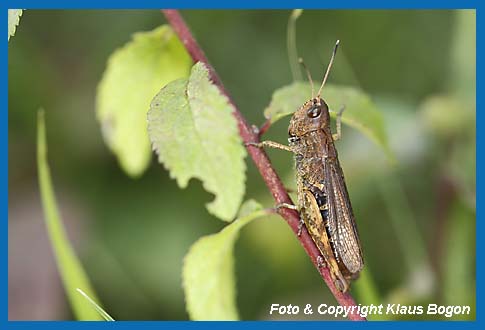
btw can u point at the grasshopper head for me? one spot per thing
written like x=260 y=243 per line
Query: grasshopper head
x=312 y=116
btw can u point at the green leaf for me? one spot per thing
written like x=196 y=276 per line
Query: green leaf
x=96 y=307
x=134 y=74
x=249 y=207
x=291 y=44
x=70 y=268
x=459 y=258
x=462 y=68
x=195 y=135
x=208 y=271
x=360 y=112
x=13 y=21
x=366 y=290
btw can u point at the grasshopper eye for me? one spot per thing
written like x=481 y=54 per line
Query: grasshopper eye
x=314 y=112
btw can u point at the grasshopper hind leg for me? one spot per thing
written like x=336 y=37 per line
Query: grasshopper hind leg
x=342 y=284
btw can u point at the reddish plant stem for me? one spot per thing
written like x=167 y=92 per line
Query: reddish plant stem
x=261 y=161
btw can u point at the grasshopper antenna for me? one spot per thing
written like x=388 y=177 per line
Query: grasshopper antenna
x=300 y=60
x=328 y=68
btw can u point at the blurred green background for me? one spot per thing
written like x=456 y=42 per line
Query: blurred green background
x=416 y=219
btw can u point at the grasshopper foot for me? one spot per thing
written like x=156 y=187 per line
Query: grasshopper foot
x=254 y=144
x=320 y=262
x=286 y=206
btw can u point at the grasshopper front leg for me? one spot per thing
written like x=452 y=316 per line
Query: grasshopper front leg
x=270 y=144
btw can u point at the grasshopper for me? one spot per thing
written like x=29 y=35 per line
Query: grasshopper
x=323 y=201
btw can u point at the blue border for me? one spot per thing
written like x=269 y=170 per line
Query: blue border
x=223 y=325
x=249 y=4
x=141 y=4
x=479 y=161
x=4 y=171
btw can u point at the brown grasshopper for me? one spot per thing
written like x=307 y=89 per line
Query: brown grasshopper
x=323 y=200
